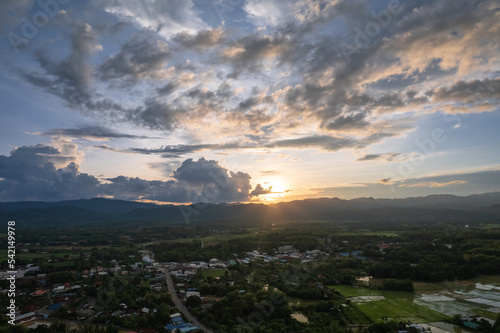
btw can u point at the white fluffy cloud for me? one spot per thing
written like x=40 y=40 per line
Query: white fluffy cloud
x=269 y=12
x=168 y=17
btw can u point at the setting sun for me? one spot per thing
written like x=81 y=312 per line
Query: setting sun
x=276 y=189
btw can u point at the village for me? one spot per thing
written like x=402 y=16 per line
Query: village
x=195 y=284
x=49 y=298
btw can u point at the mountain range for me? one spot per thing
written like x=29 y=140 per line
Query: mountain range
x=479 y=207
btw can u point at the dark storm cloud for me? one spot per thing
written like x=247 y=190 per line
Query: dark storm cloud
x=194 y=181
x=167 y=89
x=127 y=188
x=351 y=122
x=248 y=53
x=138 y=58
x=90 y=132
x=157 y=114
x=44 y=173
x=225 y=185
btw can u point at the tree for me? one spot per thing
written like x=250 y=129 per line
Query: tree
x=112 y=329
x=193 y=301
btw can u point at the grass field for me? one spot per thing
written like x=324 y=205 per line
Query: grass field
x=416 y=308
x=212 y=239
x=30 y=256
x=399 y=309
x=350 y=291
x=214 y=272
x=490 y=226
x=397 y=305
x=368 y=233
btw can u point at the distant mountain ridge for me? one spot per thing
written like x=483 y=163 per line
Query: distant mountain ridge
x=101 y=205
x=479 y=207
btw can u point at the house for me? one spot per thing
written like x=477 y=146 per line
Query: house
x=192 y=293
x=470 y=324
x=285 y=249
x=55 y=306
x=157 y=287
x=25 y=317
x=117 y=313
x=82 y=315
x=58 y=289
x=182 y=327
x=44 y=313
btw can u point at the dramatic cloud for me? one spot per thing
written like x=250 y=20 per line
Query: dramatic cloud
x=202 y=39
x=468 y=91
x=323 y=142
x=214 y=182
x=44 y=173
x=356 y=121
x=269 y=12
x=48 y=173
x=167 y=17
x=70 y=78
x=138 y=58
x=194 y=181
x=262 y=76
x=90 y=133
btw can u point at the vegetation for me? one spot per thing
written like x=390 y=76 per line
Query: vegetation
x=323 y=283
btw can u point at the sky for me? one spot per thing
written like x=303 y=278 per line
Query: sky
x=248 y=100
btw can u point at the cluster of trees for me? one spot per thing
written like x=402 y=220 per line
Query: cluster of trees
x=430 y=261
x=262 y=312
x=57 y=327
x=399 y=285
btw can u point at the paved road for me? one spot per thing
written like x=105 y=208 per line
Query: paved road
x=180 y=306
